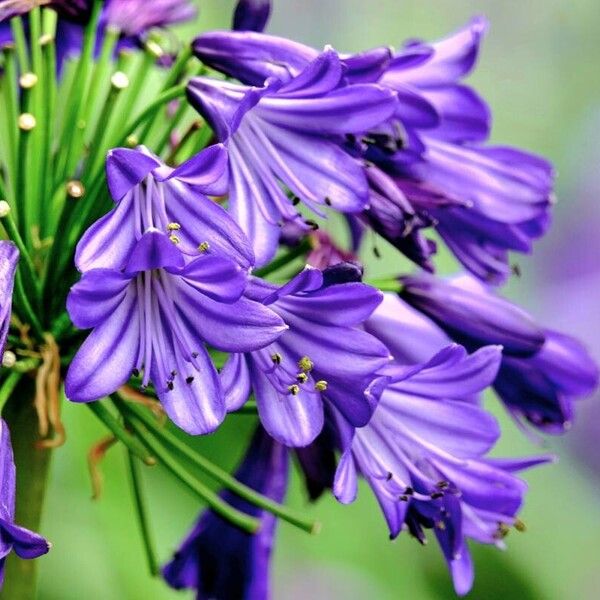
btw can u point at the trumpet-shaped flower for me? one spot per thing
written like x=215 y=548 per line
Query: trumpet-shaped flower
x=154 y=314
x=290 y=133
x=322 y=358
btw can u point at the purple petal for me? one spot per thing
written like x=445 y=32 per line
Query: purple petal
x=95 y=297
x=293 y=420
x=106 y=359
x=235 y=380
x=25 y=543
x=127 y=168
x=218 y=278
x=154 y=250
x=251 y=15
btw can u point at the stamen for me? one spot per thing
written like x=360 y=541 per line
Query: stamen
x=189 y=379
x=175 y=239
x=294 y=389
x=502 y=531
x=306 y=364
x=321 y=385
x=437 y=495
x=302 y=377
x=204 y=247
x=276 y=358
x=173 y=227
x=520 y=526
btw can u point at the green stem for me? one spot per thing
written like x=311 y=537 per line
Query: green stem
x=8 y=387
x=9 y=100
x=18 y=34
x=385 y=285
x=32 y=465
x=133 y=445
x=221 y=476
x=142 y=513
x=300 y=250
x=206 y=495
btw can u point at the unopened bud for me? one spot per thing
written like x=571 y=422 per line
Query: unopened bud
x=28 y=80
x=27 y=122
x=9 y=359
x=4 y=209
x=119 y=80
x=75 y=189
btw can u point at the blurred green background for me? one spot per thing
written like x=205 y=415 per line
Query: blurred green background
x=539 y=72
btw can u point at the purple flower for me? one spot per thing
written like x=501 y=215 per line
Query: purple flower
x=423 y=454
x=323 y=357
x=77 y=10
x=542 y=371
x=150 y=194
x=155 y=314
x=12 y=537
x=483 y=201
x=134 y=18
x=251 y=15
x=217 y=559
x=290 y=134
x=9 y=258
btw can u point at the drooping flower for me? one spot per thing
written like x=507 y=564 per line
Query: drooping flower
x=147 y=194
x=483 y=201
x=290 y=133
x=25 y=543
x=423 y=455
x=322 y=358
x=542 y=372
x=217 y=559
x=154 y=314
x=9 y=258
x=251 y=15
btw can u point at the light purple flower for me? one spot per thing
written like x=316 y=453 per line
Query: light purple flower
x=25 y=543
x=9 y=258
x=217 y=559
x=290 y=134
x=543 y=371
x=147 y=194
x=324 y=358
x=155 y=314
x=423 y=454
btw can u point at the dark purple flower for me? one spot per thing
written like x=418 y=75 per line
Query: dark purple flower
x=77 y=10
x=542 y=371
x=9 y=258
x=251 y=15
x=322 y=357
x=219 y=560
x=290 y=134
x=12 y=537
x=423 y=454
x=147 y=193
x=154 y=314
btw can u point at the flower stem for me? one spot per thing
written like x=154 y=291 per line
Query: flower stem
x=32 y=464
x=219 y=506
x=132 y=444
x=142 y=512
x=221 y=476
x=385 y=285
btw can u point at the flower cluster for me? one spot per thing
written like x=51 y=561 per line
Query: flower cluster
x=208 y=290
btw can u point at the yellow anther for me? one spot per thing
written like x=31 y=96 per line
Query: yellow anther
x=520 y=526
x=174 y=239
x=305 y=364
x=75 y=189
x=302 y=377
x=204 y=247
x=503 y=530
x=276 y=358
x=173 y=226
x=321 y=385
x=132 y=141
x=441 y=525
x=294 y=389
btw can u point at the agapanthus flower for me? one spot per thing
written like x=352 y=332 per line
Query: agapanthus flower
x=322 y=358
x=217 y=559
x=154 y=315
x=423 y=454
x=71 y=9
x=542 y=372
x=483 y=201
x=25 y=543
x=289 y=133
x=9 y=258
x=147 y=193
x=251 y=15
